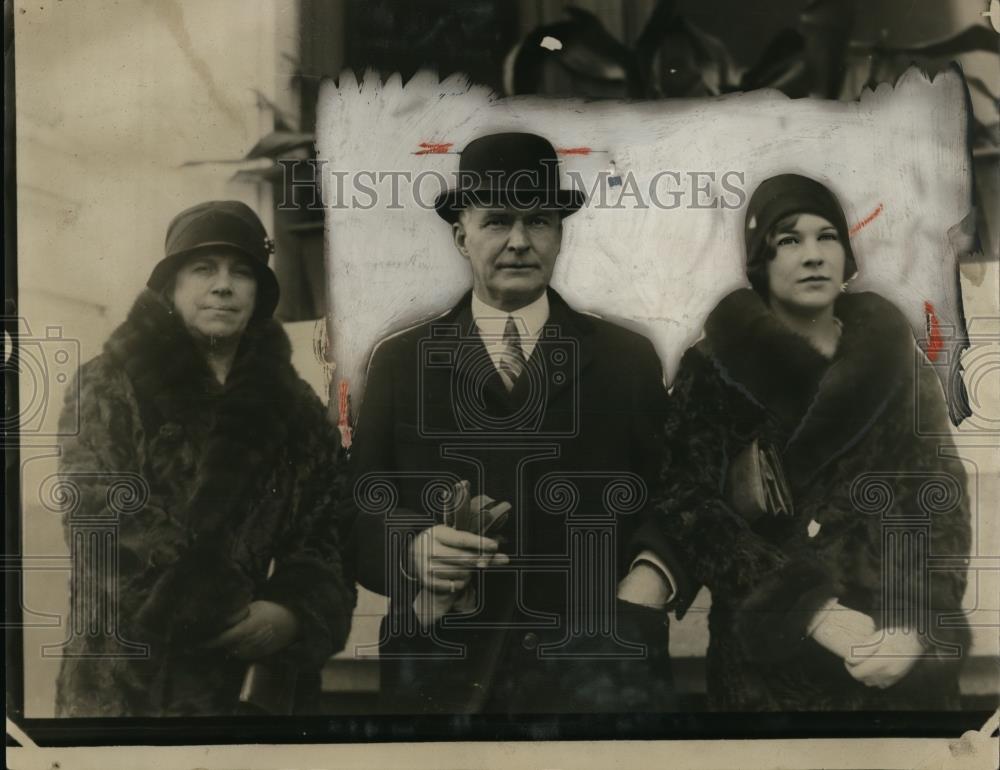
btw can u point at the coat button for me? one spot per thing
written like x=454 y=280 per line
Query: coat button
x=529 y=641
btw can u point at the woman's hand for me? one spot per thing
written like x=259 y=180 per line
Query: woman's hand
x=885 y=659
x=265 y=628
x=840 y=629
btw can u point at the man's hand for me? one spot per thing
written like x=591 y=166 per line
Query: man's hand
x=886 y=660
x=644 y=585
x=266 y=628
x=444 y=558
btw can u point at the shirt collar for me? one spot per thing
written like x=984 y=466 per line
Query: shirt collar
x=529 y=319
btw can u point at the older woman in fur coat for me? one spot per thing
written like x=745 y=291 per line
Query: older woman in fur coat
x=832 y=605
x=229 y=551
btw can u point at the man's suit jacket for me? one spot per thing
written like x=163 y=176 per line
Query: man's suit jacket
x=575 y=448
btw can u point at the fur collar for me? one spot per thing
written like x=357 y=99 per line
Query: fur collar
x=824 y=406
x=249 y=415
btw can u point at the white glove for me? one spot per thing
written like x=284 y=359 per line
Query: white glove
x=885 y=657
x=840 y=629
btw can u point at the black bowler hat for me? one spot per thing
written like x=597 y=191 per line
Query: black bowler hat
x=513 y=168
x=227 y=224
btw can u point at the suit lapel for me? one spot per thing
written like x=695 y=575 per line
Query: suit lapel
x=564 y=349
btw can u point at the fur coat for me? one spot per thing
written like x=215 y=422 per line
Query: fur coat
x=866 y=448
x=227 y=478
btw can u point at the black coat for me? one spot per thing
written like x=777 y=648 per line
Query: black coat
x=200 y=486
x=866 y=446
x=573 y=448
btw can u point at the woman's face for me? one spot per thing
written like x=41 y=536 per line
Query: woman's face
x=808 y=266
x=214 y=293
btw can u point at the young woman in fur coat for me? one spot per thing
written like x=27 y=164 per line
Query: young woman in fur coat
x=832 y=606
x=233 y=464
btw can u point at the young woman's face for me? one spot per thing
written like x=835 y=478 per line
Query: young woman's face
x=214 y=293
x=808 y=266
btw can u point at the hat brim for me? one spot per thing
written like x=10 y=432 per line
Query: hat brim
x=268 y=289
x=451 y=202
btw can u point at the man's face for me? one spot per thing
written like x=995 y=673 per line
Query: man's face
x=512 y=252
x=214 y=293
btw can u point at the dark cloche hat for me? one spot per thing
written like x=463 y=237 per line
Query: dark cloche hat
x=783 y=195
x=780 y=196
x=507 y=168
x=228 y=224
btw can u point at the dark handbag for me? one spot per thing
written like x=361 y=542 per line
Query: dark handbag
x=756 y=484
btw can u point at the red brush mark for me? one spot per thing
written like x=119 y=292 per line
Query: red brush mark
x=934 y=341
x=343 y=419
x=867 y=220
x=574 y=151
x=432 y=148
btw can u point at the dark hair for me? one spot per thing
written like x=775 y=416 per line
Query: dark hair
x=757 y=272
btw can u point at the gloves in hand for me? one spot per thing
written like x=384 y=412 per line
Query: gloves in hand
x=444 y=558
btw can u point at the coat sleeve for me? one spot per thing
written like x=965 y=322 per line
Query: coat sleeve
x=310 y=575
x=648 y=417
x=720 y=548
x=379 y=525
x=100 y=471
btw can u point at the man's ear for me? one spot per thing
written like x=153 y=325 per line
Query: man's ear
x=458 y=235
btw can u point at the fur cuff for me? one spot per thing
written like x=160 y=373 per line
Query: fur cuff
x=192 y=599
x=323 y=605
x=772 y=620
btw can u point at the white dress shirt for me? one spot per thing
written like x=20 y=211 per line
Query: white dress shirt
x=491 y=322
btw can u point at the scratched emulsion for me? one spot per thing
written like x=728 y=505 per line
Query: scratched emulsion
x=661 y=239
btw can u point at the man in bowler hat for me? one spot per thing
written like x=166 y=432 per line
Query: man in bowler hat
x=517 y=439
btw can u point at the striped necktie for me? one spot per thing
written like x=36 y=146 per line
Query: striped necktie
x=512 y=360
